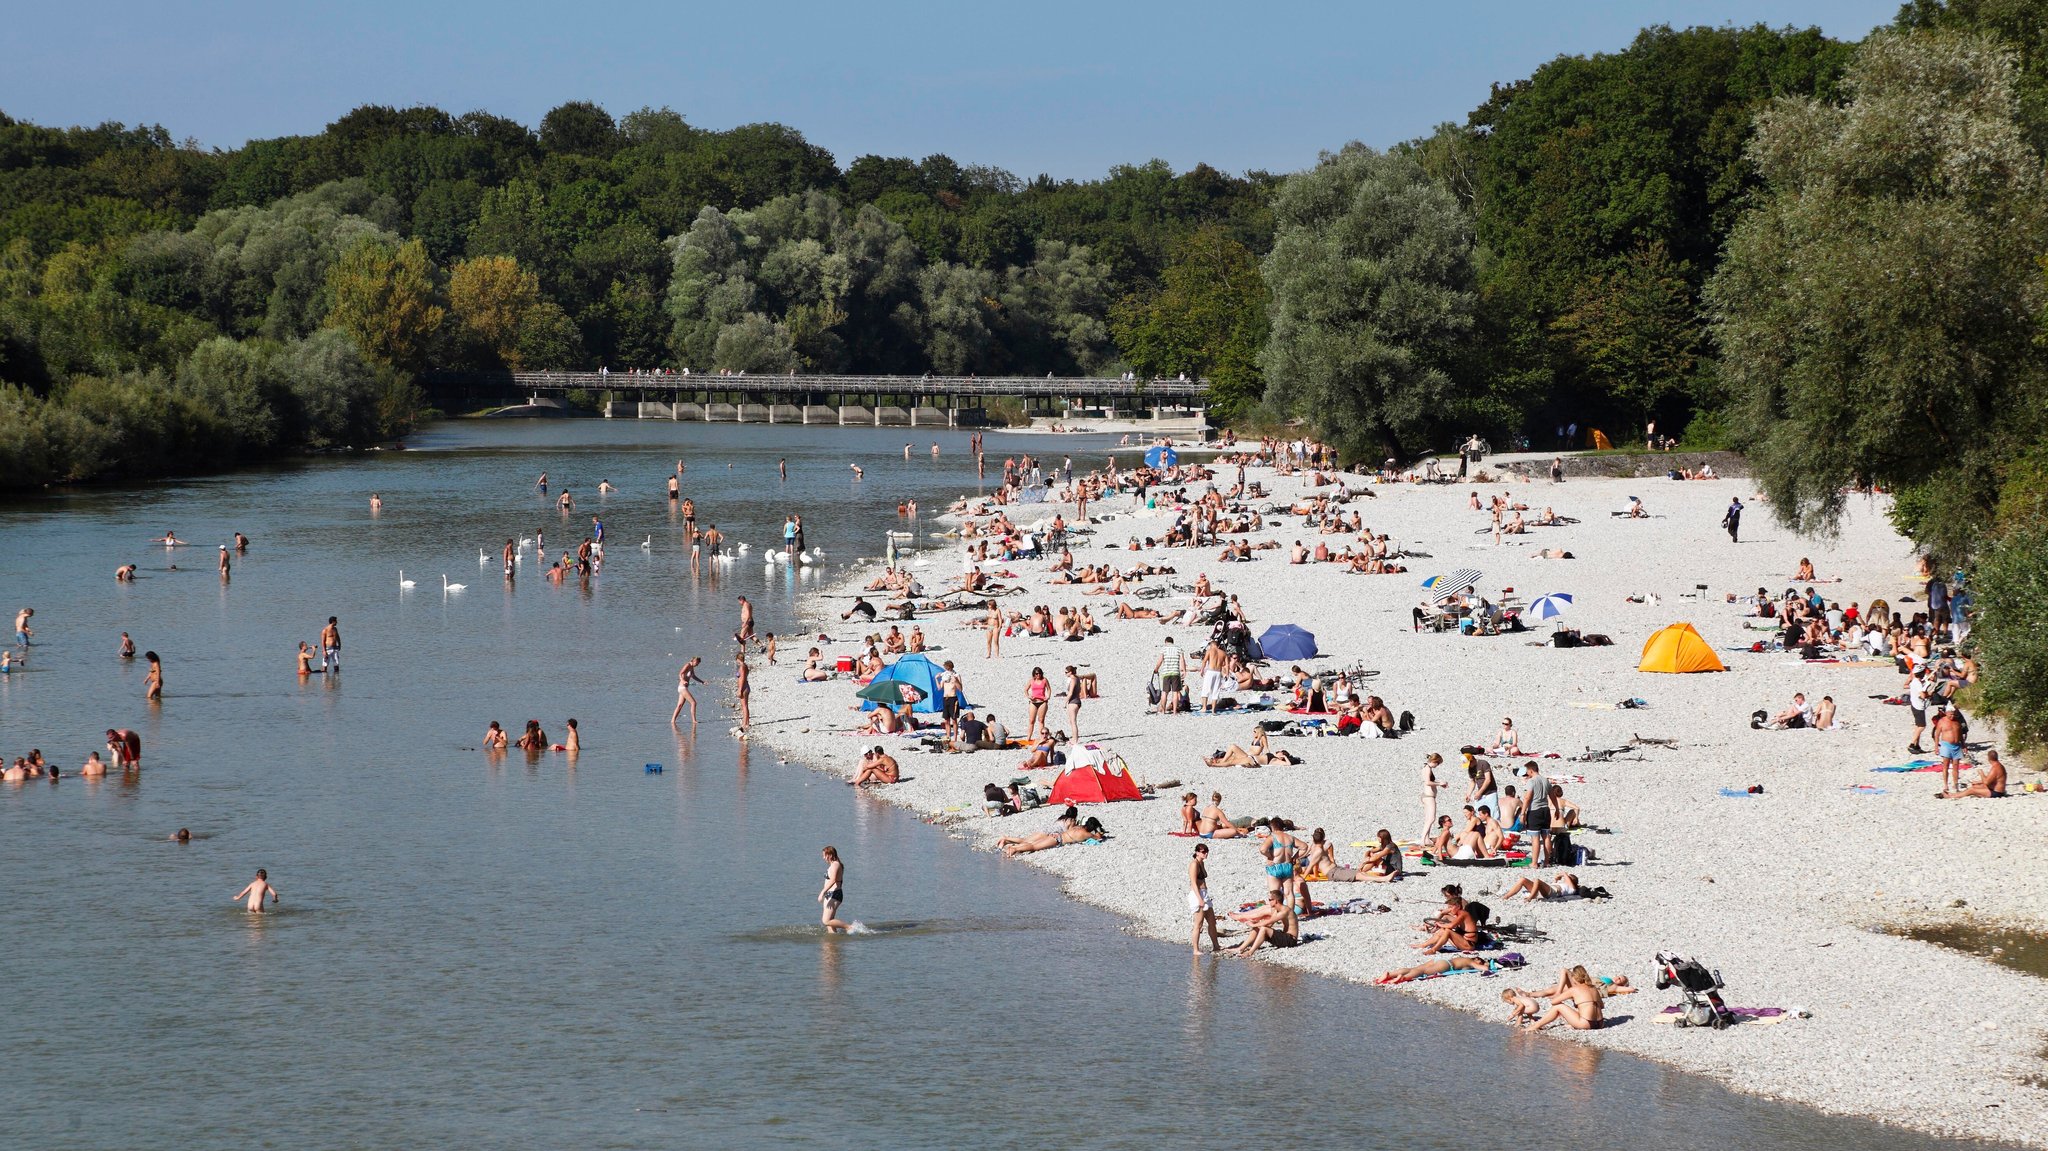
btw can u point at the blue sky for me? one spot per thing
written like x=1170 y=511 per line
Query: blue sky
x=1049 y=86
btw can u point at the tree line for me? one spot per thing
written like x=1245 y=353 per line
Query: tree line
x=1827 y=254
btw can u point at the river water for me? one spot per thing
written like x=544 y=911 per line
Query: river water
x=530 y=952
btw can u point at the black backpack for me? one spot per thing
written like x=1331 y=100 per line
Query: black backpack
x=1407 y=722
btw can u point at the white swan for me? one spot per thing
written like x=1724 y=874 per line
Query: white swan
x=817 y=553
x=804 y=556
x=647 y=545
x=448 y=587
x=526 y=541
x=745 y=547
x=779 y=557
x=483 y=559
x=402 y=581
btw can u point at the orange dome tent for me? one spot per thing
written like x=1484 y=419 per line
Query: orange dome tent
x=1678 y=648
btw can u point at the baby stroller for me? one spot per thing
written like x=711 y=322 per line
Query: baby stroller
x=1701 y=988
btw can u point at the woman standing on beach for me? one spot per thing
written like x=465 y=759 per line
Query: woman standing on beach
x=1036 y=693
x=1072 y=693
x=1430 y=786
x=833 y=893
x=1199 y=902
x=994 y=620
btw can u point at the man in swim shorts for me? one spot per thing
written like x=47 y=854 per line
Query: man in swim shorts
x=1948 y=737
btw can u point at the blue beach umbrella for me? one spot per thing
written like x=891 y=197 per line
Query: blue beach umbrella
x=1161 y=457
x=1286 y=641
x=1548 y=606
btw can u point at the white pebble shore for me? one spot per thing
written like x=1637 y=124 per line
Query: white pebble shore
x=1782 y=892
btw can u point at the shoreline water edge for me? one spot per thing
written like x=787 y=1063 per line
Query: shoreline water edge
x=1787 y=890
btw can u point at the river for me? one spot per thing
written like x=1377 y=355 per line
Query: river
x=527 y=951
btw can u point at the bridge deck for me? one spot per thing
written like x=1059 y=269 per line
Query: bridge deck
x=1072 y=388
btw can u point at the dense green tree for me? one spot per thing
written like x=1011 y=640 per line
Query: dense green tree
x=1207 y=320
x=2019 y=25
x=1593 y=159
x=384 y=298
x=1372 y=285
x=1632 y=330
x=1876 y=311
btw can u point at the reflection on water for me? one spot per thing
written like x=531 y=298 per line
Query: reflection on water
x=514 y=951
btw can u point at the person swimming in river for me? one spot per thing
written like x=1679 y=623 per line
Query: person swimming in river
x=306 y=667
x=259 y=888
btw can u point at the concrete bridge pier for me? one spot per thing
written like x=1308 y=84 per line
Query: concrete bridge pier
x=819 y=414
x=857 y=414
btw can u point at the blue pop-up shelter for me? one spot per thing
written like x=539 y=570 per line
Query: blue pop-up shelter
x=1161 y=456
x=922 y=673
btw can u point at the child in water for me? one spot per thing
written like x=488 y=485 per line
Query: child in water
x=257 y=889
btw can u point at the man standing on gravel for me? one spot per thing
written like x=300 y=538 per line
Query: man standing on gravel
x=1733 y=519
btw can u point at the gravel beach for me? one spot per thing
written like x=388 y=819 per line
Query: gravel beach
x=1783 y=891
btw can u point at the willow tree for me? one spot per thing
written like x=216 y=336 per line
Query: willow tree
x=1371 y=277
x=1877 y=310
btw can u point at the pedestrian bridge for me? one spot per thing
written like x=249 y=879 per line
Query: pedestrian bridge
x=900 y=401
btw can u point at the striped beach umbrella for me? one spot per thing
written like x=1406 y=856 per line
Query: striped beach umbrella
x=1447 y=584
x=1548 y=606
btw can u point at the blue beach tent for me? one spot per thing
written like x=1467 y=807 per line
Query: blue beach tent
x=921 y=673
x=1161 y=456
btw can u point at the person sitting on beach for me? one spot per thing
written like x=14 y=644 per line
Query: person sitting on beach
x=1577 y=1005
x=1214 y=823
x=1989 y=784
x=1045 y=753
x=1804 y=574
x=1635 y=509
x=1824 y=715
x=883 y=721
x=1507 y=741
x=1533 y=888
x=1459 y=931
x=1796 y=716
x=1383 y=860
x=862 y=608
x=1527 y=1005
x=1068 y=829
x=1438 y=842
x=892 y=642
x=814 y=668
x=876 y=766
x=916 y=642
x=1271 y=923
x=1562 y=813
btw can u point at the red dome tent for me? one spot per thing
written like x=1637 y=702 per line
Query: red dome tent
x=1093 y=782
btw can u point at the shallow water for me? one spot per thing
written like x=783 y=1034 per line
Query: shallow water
x=478 y=951
x=2017 y=948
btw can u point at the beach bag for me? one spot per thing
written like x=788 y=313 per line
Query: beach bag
x=1565 y=638
x=1152 y=691
x=1596 y=640
x=1560 y=847
x=1407 y=721
x=1757 y=719
x=1480 y=912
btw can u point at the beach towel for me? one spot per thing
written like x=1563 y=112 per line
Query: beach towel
x=1865 y=789
x=1736 y=793
x=1912 y=765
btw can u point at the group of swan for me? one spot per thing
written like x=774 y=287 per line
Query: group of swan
x=405 y=584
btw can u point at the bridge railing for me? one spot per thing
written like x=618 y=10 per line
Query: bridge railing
x=1082 y=388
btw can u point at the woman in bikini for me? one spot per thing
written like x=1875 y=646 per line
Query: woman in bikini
x=1036 y=694
x=684 y=678
x=1072 y=694
x=1382 y=860
x=833 y=893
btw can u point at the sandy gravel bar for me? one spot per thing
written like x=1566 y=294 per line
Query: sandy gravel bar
x=1783 y=892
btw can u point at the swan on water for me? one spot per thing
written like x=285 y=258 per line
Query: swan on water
x=804 y=556
x=448 y=587
x=647 y=545
x=483 y=559
x=402 y=581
